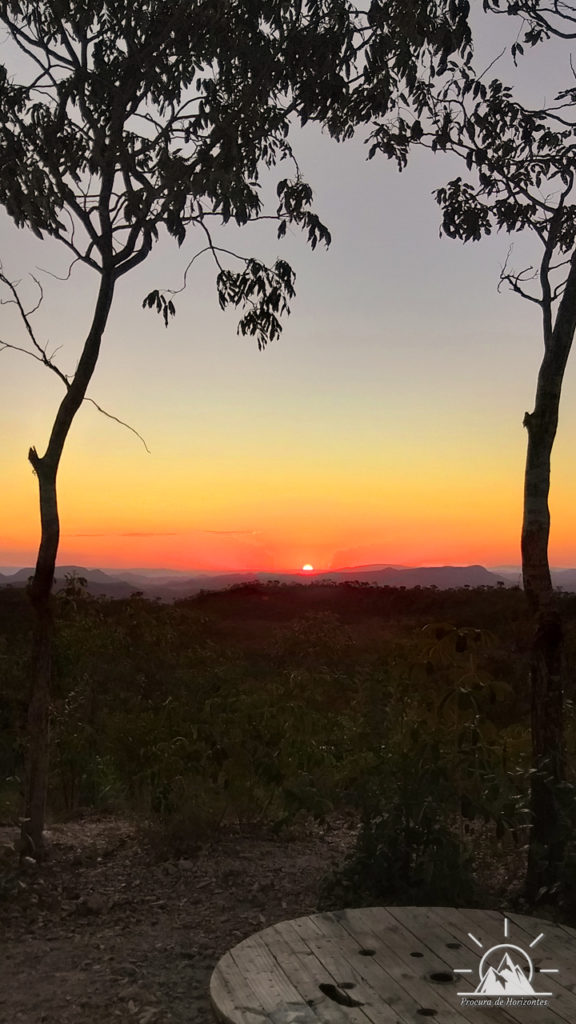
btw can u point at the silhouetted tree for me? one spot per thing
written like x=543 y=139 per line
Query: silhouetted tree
x=124 y=118
x=519 y=177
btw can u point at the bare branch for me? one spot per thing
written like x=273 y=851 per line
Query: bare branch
x=26 y=351
x=110 y=416
x=562 y=263
x=31 y=311
x=491 y=64
x=78 y=259
x=176 y=291
x=215 y=249
x=513 y=280
x=83 y=257
x=41 y=355
x=207 y=248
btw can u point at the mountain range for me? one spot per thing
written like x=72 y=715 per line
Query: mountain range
x=171 y=584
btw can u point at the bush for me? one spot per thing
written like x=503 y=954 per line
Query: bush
x=409 y=850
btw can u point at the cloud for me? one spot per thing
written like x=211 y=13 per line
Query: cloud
x=162 y=533
x=151 y=534
x=233 y=533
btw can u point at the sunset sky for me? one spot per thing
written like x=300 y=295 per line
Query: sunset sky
x=384 y=426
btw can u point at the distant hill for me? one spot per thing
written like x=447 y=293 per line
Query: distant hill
x=100 y=584
x=23 y=575
x=562 y=579
x=169 y=586
x=366 y=568
x=565 y=579
x=442 y=576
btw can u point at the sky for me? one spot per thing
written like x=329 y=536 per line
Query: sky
x=384 y=426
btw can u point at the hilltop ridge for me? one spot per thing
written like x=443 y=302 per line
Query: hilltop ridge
x=169 y=585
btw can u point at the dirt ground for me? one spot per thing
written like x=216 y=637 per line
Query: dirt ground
x=108 y=931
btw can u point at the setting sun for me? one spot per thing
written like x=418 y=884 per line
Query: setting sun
x=307 y=567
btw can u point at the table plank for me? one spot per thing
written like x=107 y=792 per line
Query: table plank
x=387 y=971
x=378 y=965
x=396 y=945
x=336 y=964
x=246 y=988
x=554 y=950
x=312 y=972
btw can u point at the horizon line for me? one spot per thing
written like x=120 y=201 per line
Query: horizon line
x=296 y=570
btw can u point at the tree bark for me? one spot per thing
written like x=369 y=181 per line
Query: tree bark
x=545 y=851
x=46 y=469
x=38 y=723
x=547 y=835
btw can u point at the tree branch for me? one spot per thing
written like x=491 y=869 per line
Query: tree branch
x=110 y=416
x=41 y=355
x=513 y=280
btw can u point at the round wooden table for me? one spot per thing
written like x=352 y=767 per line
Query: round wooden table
x=400 y=965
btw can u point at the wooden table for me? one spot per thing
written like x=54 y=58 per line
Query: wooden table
x=400 y=965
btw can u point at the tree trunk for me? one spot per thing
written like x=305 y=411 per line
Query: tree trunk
x=546 y=846
x=548 y=834
x=46 y=469
x=38 y=725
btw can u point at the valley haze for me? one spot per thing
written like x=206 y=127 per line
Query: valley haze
x=174 y=584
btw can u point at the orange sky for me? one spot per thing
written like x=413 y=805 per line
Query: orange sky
x=122 y=507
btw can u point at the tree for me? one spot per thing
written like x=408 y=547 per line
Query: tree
x=125 y=119
x=520 y=177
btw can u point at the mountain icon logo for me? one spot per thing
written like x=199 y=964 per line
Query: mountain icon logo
x=505 y=969
x=507 y=978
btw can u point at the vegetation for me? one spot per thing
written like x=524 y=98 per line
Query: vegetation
x=270 y=704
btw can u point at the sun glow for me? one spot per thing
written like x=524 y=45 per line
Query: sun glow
x=307 y=567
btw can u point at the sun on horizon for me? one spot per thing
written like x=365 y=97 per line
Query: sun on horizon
x=307 y=567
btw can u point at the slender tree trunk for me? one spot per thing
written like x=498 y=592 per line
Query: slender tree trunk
x=46 y=469
x=548 y=835
x=545 y=851
x=38 y=724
